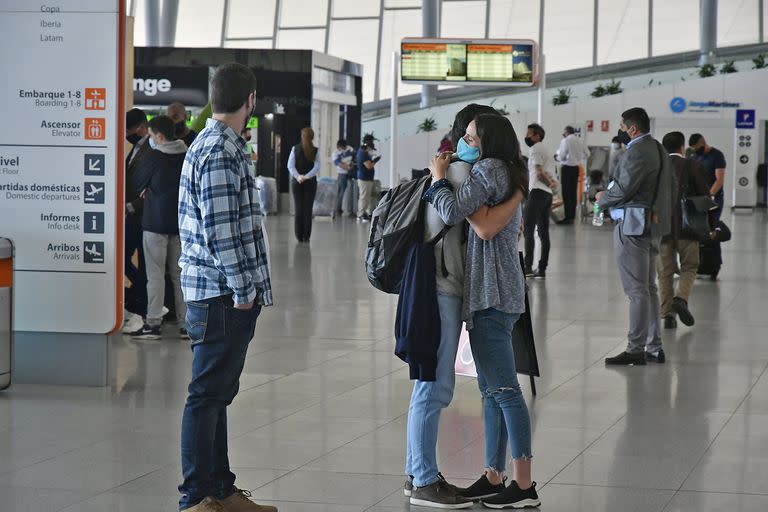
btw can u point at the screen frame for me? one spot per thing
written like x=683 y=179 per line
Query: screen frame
x=434 y=40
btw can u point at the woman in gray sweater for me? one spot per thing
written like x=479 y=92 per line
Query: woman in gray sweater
x=494 y=298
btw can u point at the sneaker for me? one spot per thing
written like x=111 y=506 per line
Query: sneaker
x=240 y=501
x=183 y=334
x=529 y=272
x=670 y=322
x=207 y=505
x=626 y=359
x=408 y=486
x=514 y=497
x=659 y=357
x=132 y=323
x=540 y=274
x=148 y=332
x=482 y=489
x=680 y=306
x=440 y=494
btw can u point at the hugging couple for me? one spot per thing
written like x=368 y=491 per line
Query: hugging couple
x=481 y=283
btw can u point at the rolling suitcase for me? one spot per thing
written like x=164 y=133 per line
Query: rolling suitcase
x=710 y=259
x=326 y=198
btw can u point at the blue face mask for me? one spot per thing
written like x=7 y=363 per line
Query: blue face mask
x=152 y=143
x=467 y=153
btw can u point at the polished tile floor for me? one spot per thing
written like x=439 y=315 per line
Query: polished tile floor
x=319 y=425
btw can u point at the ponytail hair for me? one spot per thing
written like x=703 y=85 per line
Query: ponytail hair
x=307 y=135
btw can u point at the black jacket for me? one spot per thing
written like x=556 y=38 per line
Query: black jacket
x=133 y=200
x=692 y=180
x=158 y=176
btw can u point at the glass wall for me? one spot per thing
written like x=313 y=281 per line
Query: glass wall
x=577 y=33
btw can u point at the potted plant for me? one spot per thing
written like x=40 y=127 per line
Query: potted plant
x=613 y=87
x=501 y=110
x=759 y=62
x=707 y=70
x=728 y=67
x=563 y=96
x=599 y=91
x=427 y=125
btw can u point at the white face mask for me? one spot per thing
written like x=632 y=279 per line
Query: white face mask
x=615 y=146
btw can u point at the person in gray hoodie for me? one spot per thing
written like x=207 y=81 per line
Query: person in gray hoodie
x=425 y=485
x=158 y=178
x=494 y=298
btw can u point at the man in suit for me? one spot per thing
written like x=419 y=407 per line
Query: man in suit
x=640 y=199
x=136 y=133
x=692 y=181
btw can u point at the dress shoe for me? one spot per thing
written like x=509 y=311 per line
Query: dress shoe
x=626 y=359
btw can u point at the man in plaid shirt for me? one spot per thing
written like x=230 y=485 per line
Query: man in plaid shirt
x=225 y=280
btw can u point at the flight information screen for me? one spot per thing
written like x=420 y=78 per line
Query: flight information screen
x=485 y=61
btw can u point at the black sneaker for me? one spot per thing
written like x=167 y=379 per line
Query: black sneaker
x=148 y=332
x=529 y=272
x=540 y=274
x=626 y=359
x=183 y=334
x=440 y=494
x=482 y=489
x=659 y=357
x=670 y=322
x=408 y=486
x=514 y=497
x=680 y=306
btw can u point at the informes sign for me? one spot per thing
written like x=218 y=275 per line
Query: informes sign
x=61 y=198
x=745 y=160
x=163 y=85
x=510 y=62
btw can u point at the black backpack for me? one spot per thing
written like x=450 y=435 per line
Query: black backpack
x=397 y=224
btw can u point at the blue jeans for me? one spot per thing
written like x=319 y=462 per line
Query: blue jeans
x=430 y=398
x=220 y=336
x=505 y=413
x=344 y=181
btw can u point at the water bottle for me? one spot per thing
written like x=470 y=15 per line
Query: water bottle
x=598 y=217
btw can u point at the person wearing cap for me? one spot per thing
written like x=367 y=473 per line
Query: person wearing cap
x=137 y=134
x=366 y=160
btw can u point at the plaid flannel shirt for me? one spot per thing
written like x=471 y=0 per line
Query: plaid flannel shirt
x=222 y=245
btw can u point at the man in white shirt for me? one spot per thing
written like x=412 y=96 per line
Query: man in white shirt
x=541 y=184
x=571 y=153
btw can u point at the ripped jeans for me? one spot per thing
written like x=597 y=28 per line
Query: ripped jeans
x=505 y=413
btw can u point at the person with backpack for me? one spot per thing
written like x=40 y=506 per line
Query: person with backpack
x=304 y=164
x=494 y=298
x=424 y=484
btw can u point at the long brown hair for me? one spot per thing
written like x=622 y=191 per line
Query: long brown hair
x=307 y=134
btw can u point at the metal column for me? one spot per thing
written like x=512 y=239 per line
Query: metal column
x=430 y=15
x=152 y=22
x=707 y=31
x=168 y=22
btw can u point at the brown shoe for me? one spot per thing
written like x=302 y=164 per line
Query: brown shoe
x=207 y=505
x=240 y=501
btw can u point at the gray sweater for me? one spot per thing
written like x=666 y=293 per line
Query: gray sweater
x=493 y=276
x=451 y=248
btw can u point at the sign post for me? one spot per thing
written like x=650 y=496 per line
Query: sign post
x=61 y=176
x=745 y=159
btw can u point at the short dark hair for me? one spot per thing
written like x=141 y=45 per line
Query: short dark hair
x=466 y=116
x=616 y=140
x=638 y=118
x=134 y=118
x=569 y=129
x=537 y=130
x=673 y=142
x=499 y=140
x=230 y=87
x=694 y=139
x=341 y=143
x=163 y=125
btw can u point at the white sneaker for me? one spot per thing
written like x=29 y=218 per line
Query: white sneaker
x=132 y=322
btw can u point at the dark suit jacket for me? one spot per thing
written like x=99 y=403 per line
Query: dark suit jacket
x=692 y=179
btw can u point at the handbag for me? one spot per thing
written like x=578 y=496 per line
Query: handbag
x=695 y=210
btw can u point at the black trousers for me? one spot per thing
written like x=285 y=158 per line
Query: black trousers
x=569 y=177
x=537 y=210
x=303 y=200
